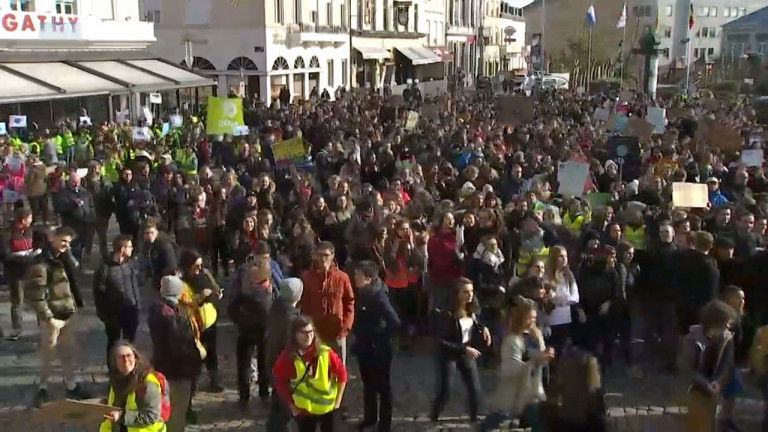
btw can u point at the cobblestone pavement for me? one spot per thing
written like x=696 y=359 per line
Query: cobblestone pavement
x=651 y=404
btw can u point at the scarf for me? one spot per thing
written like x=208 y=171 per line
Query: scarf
x=493 y=259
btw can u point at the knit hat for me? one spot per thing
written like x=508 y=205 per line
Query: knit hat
x=171 y=287
x=291 y=289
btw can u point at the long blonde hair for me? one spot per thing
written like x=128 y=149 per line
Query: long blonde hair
x=550 y=269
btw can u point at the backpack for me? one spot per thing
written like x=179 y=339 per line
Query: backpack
x=165 y=394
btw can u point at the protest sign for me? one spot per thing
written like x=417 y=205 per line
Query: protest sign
x=691 y=195
x=288 y=151
x=224 y=114
x=572 y=177
x=602 y=114
x=141 y=134
x=83 y=413
x=430 y=111
x=752 y=158
x=412 y=120
x=514 y=110
x=639 y=128
x=658 y=118
x=599 y=199
x=17 y=121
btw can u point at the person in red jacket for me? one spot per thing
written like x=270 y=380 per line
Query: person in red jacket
x=444 y=265
x=328 y=299
x=310 y=378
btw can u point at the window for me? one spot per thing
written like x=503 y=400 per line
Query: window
x=279 y=12
x=713 y=32
x=635 y=11
x=329 y=13
x=297 y=11
x=312 y=16
x=735 y=12
x=710 y=51
x=713 y=11
x=743 y=11
x=696 y=53
x=330 y=73
x=646 y=11
x=68 y=7
x=344 y=72
x=344 y=17
x=667 y=31
x=152 y=16
x=22 y=5
x=704 y=11
x=668 y=11
x=726 y=12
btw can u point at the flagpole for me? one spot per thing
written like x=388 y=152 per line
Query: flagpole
x=689 y=52
x=589 y=56
x=623 y=48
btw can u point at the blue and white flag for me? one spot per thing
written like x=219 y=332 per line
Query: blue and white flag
x=623 y=18
x=591 y=18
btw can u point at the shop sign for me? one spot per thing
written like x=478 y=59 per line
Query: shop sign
x=29 y=25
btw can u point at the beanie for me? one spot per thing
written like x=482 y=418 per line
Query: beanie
x=291 y=289
x=171 y=287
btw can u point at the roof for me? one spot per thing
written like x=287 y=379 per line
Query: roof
x=758 y=18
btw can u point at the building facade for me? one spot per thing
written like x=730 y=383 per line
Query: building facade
x=256 y=48
x=746 y=35
x=58 y=57
x=706 y=35
x=395 y=41
x=503 y=41
x=463 y=20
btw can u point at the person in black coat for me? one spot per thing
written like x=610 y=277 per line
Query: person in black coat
x=376 y=323
x=117 y=292
x=696 y=280
x=460 y=337
x=159 y=253
x=75 y=205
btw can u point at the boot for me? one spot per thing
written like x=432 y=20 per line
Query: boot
x=215 y=386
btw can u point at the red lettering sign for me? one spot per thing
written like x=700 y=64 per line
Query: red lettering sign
x=15 y=22
x=9 y=23
x=27 y=24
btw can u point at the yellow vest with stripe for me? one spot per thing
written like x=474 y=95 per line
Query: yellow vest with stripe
x=131 y=405
x=59 y=142
x=315 y=394
x=69 y=140
x=526 y=256
x=635 y=236
x=574 y=224
x=34 y=148
x=111 y=170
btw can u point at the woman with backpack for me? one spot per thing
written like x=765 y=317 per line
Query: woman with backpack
x=140 y=394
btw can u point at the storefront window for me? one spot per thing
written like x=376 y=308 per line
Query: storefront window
x=22 y=5
x=68 y=7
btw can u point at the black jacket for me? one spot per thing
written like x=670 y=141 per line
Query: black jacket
x=116 y=288
x=597 y=285
x=161 y=258
x=376 y=321
x=126 y=198
x=279 y=323
x=101 y=191
x=250 y=303
x=75 y=216
x=449 y=336
x=174 y=352
x=696 y=278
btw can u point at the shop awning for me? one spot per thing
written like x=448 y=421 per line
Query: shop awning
x=420 y=55
x=33 y=76
x=444 y=53
x=374 y=53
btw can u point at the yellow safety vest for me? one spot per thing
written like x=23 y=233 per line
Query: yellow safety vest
x=574 y=224
x=131 y=405
x=16 y=142
x=111 y=170
x=526 y=256
x=315 y=394
x=635 y=236
x=69 y=140
x=59 y=141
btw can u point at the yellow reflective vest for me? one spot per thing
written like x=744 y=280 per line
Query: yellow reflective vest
x=574 y=224
x=636 y=236
x=131 y=405
x=315 y=394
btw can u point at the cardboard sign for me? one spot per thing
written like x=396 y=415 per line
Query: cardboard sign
x=690 y=195
x=412 y=121
x=720 y=136
x=514 y=110
x=17 y=121
x=639 y=128
x=85 y=413
x=241 y=131
x=430 y=111
x=752 y=158
x=289 y=149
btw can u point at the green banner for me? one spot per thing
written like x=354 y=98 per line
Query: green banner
x=224 y=115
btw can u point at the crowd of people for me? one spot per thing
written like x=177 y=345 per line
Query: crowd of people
x=450 y=229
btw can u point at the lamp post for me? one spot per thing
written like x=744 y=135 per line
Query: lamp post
x=649 y=49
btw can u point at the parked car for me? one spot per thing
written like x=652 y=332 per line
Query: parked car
x=553 y=82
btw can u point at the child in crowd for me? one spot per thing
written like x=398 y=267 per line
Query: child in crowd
x=733 y=296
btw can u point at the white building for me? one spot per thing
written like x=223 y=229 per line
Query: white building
x=58 y=56
x=504 y=38
x=706 y=35
x=398 y=40
x=257 y=46
x=463 y=18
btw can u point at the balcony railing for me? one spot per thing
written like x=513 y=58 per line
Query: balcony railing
x=303 y=33
x=317 y=28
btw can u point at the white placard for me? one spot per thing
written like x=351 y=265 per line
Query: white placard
x=3 y=129
x=82 y=172
x=176 y=120
x=85 y=121
x=155 y=98
x=17 y=121
x=241 y=131
x=122 y=116
x=752 y=158
x=658 y=118
x=572 y=176
x=691 y=195
x=602 y=114
x=141 y=133
x=147 y=114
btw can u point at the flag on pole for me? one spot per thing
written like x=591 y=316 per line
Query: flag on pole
x=623 y=18
x=591 y=18
x=691 y=19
